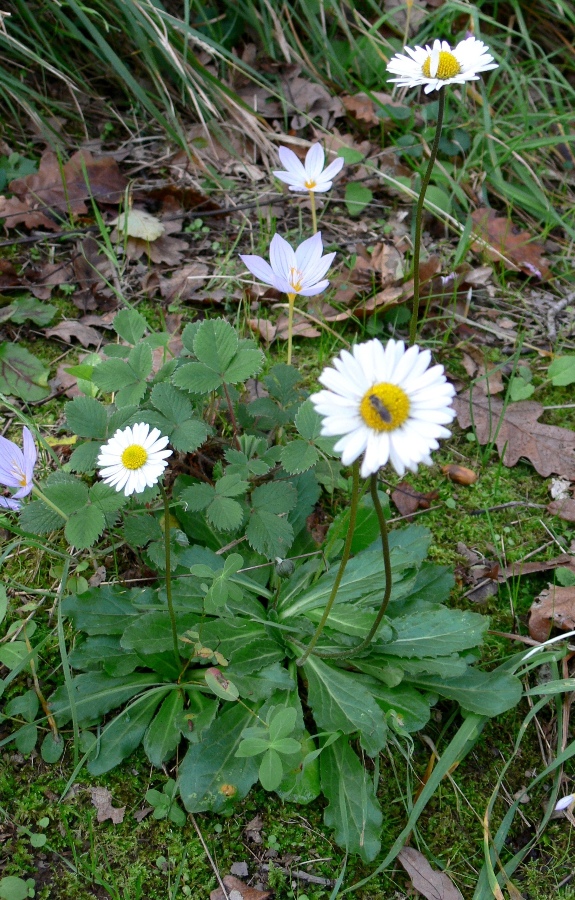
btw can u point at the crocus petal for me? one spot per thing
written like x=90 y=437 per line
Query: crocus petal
x=258 y=267
x=314 y=161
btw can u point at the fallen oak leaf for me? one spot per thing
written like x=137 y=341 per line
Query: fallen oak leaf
x=431 y=884
x=564 y=560
x=238 y=890
x=68 y=328
x=408 y=500
x=564 y=508
x=517 y=433
x=508 y=243
x=102 y=800
x=554 y=607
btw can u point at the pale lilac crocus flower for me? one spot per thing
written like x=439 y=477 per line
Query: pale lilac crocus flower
x=299 y=271
x=17 y=467
x=311 y=175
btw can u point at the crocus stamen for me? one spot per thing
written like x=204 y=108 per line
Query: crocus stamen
x=295 y=279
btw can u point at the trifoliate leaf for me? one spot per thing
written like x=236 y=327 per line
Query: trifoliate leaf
x=130 y=325
x=308 y=421
x=189 y=435
x=269 y=534
x=138 y=223
x=197 y=496
x=216 y=344
x=298 y=456
x=84 y=527
x=275 y=497
x=139 y=530
x=174 y=405
x=246 y=364
x=225 y=514
x=66 y=492
x=197 y=378
x=37 y=518
x=107 y=498
x=231 y=486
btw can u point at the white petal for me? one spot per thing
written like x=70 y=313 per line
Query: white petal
x=292 y=163
x=258 y=267
x=282 y=257
x=314 y=161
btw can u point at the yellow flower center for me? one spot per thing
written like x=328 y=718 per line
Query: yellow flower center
x=448 y=66
x=310 y=184
x=384 y=407
x=134 y=457
x=295 y=279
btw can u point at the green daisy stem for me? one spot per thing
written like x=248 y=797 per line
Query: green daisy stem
x=42 y=496
x=291 y=301
x=419 y=217
x=353 y=651
x=169 y=576
x=343 y=563
x=313 y=211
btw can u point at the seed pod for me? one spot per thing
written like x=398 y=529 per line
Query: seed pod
x=459 y=474
x=284 y=567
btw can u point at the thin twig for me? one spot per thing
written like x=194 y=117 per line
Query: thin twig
x=209 y=855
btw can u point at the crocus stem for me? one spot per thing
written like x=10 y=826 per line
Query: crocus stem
x=169 y=577
x=419 y=217
x=38 y=493
x=353 y=651
x=342 y=565
x=291 y=301
x=313 y=212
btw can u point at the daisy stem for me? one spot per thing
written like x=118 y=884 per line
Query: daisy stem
x=291 y=301
x=38 y=493
x=353 y=651
x=169 y=576
x=232 y=416
x=313 y=212
x=342 y=564
x=419 y=217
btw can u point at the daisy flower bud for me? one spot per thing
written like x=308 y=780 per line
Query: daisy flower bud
x=311 y=175
x=17 y=467
x=134 y=458
x=293 y=272
x=388 y=405
x=439 y=65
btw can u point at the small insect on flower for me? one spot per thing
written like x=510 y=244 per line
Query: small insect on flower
x=387 y=403
x=17 y=467
x=439 y=65
x=311 y=175
x=134 y=458
x=293 y=272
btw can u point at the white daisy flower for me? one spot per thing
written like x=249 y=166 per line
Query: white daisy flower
x=387 y=403
x=293 y=272
x=134 y=458
x=311 y=175
x=440 y=65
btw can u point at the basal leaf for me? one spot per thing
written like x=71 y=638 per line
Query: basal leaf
x=189 y=435
x=340 y=702
x=103 y=610
x=21 y=373
x=486 y=693
x=164 y=734
x=152 y=632
x=103 y=652
x=211 y=776
x=95 y=694
x=269 y=534
x=123 y=734
x=140 y=529
x=436 y=632
x=38 y=518
x=85 y=456
x=353 y=811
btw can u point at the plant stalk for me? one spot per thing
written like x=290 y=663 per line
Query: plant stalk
x=419 y=217
x=291 y=301
x=169 y=576
x=342 y=565
x=353 y=651
x=313 y=211
x=38 y=493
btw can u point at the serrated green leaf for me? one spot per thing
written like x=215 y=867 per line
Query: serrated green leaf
x=140 y=361
x=104 y=610
x=308 y=421
x=84 y=457
x=124 y=733
x=269 y=534
x=164 y=734
x=562 y=371
x=436 y=632
x=152 y=632
x=216 y=344
x=95 y=694
x=107 y=498
x=66 y=491
x=37 y=518
x=246 y=364
x=274 y=497
x=225 y=514
x=84 y=527
x=340 y=702
x=271 y=770
x=171 y=403
x=410 y=706
x=353 y=811
x=104 y=652
x=231 y=486
x=189 y=435
x=130 y=325
x=211 y=776
x=51 y=748
x=111 y=375
x=21 y=373
x=196 y=378
x=357 y=197
x=139 y=530
x=245 y=644
x=298 y=457
x=197 y=496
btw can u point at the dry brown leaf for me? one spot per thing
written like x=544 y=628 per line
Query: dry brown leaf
x=253 y=829
x=518 y=434
x=565 y=560
x=264 y=327
x=427 y=270
x=554 y=607
x=237 y=890
x=565 y=509
x=102 y=800
x=311 y=98
x=516 y=245
x=431 y=884
x=55 y=192
x=67 y=329
x=93 y=273
x=408 y=500
x=184 y=283
x=489 y=379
